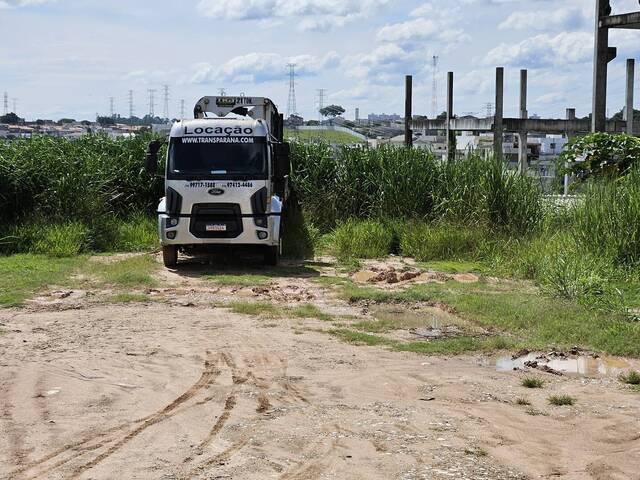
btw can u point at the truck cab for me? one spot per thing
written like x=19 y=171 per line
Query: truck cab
x=226 y=179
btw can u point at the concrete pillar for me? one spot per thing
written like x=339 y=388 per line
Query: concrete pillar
x=522 y=135
x=570 y=115
x=498 y=127
x=451 y=134
x=602 y=56
x=631 y=67
x=408 y=115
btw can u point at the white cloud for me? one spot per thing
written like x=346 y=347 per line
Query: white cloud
x=261 y=67
x=420 y=30
x=313 y=14
x=6 y=4
x=385 y=64
x=544 y=50
x=568 y=18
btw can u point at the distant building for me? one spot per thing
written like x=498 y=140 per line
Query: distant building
x=383 y=117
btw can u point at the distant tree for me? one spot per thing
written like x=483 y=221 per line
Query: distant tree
x=620 y=115
x=86 y=123
x=104 y=121
x=312 y=123
x=10 y=118
x=442 y=116
x=62 y=121
x=332 y=111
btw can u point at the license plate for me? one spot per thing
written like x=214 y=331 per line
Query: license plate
x=217 y=227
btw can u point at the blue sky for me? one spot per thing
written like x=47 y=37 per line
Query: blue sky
x=67 y=57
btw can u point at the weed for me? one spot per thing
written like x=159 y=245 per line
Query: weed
x=131 y=271
x=239 y=280
x=360 y=338
x=534 y=412
x=362 y=239
x=523 y=401
x=631 y=378
x=256 y=308
x=476 y=452
x=531 y=382
x=310 y=311
x=129 y=298
x=561 y=400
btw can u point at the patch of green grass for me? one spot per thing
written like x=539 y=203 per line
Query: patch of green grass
x=333 y=137
x=631 y=378
x=561 y=400
x=128 y=272
x=24 y=274
x=455 y=346
x=360 y=338
x=310 y=311
x=427 y=242
x=264 y=309
x=532 y=382
x=375 y=326
x=129 y=298
x=476 y=452
x=138 y=233
x=239 y=280
x=523 y=402
x=363 y=239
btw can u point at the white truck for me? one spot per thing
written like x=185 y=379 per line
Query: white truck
x=226 y=179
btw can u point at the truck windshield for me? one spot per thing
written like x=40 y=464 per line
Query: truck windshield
x=220 y=157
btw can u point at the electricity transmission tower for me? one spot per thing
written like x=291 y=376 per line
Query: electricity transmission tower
x=112 y=107
x=321 y=96
x=291 y=103
x=131 y=109
x=222 y=92
x=489 y=109
x=165 y=110
x=182 y=109
x=152 y=102
x=5 y=110
x=434 y=88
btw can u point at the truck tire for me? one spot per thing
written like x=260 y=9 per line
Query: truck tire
x=170 y=256
x=272 y=256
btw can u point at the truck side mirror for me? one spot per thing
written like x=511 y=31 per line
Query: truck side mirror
x=282 y=160
x=151 y=159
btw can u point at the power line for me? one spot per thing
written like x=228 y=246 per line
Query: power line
x=165 y=111
x=291 y=104
x=152 y=102
x=321 y=96
x=434 y=88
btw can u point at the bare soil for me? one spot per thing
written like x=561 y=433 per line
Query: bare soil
x=181 y=388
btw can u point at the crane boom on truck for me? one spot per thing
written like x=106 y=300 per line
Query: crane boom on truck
x=226 y=178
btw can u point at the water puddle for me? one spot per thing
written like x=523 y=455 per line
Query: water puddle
x=583 y=365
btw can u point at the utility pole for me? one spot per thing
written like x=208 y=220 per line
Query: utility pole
x=165 y=110
x=628 y=110
x=434 y=88
x=131 y=109
x=152 y=102
x=451 y=134
x=498 y=127
x=522 y=135
x=291 y=103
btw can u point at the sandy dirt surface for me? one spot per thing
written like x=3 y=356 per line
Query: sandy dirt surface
x=181 y=389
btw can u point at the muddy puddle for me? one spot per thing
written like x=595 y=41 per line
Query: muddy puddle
x=581 y=365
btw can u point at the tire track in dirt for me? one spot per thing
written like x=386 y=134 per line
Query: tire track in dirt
x=314 y=467
x=207 y=377
x=17 y=453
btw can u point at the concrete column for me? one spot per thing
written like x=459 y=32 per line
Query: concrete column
x=408 y=115
x=571 y=115
x=601 y=59
x=498 y=127
x=451 y=134
x=522 y=135
x=631 y=66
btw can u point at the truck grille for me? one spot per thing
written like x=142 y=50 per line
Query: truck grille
x=216 y=220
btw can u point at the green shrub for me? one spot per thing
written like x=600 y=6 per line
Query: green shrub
x=532 y=382
x=561 y=400
x=427 y=242
x=362 y=239
x=631 y=378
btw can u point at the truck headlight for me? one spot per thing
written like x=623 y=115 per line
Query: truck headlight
x=172 y=222
x=171 y=235
x=263 y=235
x=261 y=222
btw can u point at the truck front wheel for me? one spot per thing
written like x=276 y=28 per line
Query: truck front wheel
x=170 y=256
x=272 y=255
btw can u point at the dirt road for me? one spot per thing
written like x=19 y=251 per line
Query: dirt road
x=179 y=389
